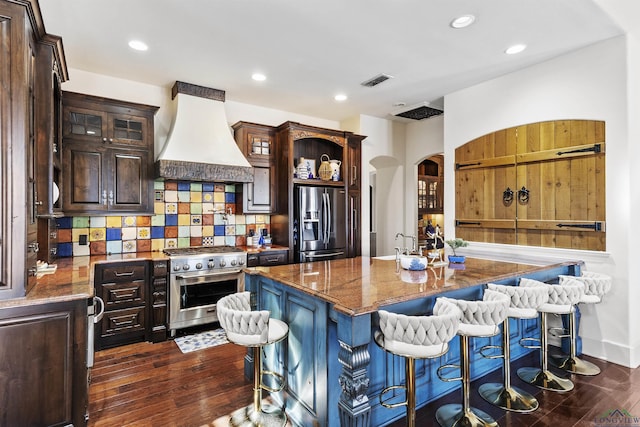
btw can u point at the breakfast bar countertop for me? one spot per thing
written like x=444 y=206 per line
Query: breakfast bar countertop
x=362 y=285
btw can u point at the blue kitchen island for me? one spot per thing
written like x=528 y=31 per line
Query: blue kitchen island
x=333 y=368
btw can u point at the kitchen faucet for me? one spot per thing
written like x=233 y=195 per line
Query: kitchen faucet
x=413 y=242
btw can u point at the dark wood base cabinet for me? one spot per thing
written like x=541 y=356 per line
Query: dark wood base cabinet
x=135 y=302
x=43 y=371
x=157 y=304
x=122 y=286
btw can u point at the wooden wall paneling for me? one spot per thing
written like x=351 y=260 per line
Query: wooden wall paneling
x=561 y=164
x=479 y=188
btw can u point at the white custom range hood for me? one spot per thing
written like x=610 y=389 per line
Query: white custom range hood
x=200 y=146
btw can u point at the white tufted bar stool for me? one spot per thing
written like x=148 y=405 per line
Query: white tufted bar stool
x=479 y=319
x=524 y=304
x=253 y=329
x=561 y=301
x=416 y=337
x=596 y=286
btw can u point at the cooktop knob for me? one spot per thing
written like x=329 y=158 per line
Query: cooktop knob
x=199 y=265
x=176 y=267
x=211 y=264
x=233 y=262
x=240 y=261
x=185 y=267
x=222 y=263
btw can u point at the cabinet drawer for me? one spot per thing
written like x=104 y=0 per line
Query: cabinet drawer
x=122 y=321
x=273 y=258
x=121 y=273
x=120 y=295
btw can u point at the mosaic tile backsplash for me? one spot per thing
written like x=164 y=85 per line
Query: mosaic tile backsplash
x=185 y=214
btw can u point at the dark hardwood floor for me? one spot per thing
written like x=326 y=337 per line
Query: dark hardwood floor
x=156 y=385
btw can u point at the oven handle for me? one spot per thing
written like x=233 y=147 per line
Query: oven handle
x=201 y=278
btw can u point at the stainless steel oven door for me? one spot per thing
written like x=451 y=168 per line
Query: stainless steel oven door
x=193 y=296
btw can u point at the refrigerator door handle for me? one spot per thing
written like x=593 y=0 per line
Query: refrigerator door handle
x=329 y=217
x=325 y=218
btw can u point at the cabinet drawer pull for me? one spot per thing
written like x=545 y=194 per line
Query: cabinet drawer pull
x=125 y=322
x=124 y=293
x=125 y=274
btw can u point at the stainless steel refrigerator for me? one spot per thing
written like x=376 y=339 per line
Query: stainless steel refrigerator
x=320 y=223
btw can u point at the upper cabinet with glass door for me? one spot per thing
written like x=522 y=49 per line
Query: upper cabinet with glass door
x=120 y=125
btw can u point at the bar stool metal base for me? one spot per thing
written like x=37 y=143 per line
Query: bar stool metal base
x=545 y=379
x=510 y=399
x=454 y=415
x=268 y=416
x=575 y=365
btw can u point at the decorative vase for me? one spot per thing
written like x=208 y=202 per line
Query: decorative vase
x=457 y=259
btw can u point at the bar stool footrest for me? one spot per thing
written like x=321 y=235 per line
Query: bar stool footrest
x=280 y=379
x=559 y=332
x=487 y=348
x=393 y=405
x=448 y=379
x=523 y=342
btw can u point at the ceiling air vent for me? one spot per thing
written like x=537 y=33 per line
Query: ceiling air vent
x=374 y=81
x=419 y=113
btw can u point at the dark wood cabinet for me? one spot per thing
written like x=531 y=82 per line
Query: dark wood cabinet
x=294 y=141
x=354 y=200
x=43 y=376
x=107 y=156
x=122 y=286
x=48 y=156
x=22 y=42
x=157 y=302
x=257 y=144
x=267 y=258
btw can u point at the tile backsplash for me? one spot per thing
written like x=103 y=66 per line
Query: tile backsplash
x=185 y=214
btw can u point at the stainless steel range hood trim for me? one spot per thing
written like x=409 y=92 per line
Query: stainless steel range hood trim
x=200 y=146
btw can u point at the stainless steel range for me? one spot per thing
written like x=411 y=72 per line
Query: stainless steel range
x=200 y=276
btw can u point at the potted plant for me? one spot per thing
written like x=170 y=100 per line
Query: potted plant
x=455 y=244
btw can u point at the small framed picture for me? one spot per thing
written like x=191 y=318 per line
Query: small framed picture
x=311 y=167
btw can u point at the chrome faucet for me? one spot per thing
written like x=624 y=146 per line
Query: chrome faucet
x=413 y=243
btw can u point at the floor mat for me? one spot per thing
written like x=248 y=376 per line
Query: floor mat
x=201 y=340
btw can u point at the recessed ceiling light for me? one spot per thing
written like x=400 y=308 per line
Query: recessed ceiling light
x=138 y=45
x=259 y=77
x=463 y=21
x=516 y=48
x=340 y=97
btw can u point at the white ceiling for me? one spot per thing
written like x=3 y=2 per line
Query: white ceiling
x=310 y=49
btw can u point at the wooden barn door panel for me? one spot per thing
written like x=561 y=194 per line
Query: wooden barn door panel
x=485 y=169
x=558 y=180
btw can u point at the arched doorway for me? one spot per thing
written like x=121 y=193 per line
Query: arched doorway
x=430 y=200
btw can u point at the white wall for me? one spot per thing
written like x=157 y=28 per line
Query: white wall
x=424 y=139
x=383 y=150
x=587 y=84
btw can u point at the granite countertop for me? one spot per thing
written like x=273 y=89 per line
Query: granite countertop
x=362 y=285
x=73 y=279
